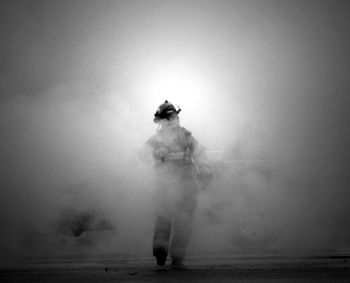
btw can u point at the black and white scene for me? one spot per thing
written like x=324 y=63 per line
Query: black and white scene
x=169 y=141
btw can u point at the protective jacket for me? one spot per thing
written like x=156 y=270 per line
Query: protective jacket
x=184 y=158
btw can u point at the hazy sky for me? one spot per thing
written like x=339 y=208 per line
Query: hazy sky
x=81 y=80
x=221 y=61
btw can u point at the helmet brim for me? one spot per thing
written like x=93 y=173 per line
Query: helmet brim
x=166 y=111
x=156 y=118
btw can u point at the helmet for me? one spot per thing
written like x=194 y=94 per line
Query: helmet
x=165 y=111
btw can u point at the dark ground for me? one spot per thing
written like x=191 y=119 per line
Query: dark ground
x=326 y=267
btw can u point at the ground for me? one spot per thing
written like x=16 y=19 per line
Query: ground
x=326 y=267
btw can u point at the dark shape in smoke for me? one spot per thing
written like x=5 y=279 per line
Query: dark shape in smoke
x=75 y=223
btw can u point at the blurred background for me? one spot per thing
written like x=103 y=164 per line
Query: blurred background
x=263 y=85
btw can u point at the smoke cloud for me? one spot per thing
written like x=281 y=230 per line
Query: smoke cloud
x=263 y=85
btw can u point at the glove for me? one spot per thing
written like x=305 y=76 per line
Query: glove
x=204 y=171
x=204 y=176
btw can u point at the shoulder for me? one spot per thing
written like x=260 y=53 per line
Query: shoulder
x=189 y=137
x=185 y=132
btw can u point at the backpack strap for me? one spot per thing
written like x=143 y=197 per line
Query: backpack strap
x=188 y=146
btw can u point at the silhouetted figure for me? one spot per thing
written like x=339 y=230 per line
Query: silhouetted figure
x=178 y=159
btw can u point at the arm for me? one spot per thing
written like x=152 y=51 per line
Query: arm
x=152 y=150
x=199 y=157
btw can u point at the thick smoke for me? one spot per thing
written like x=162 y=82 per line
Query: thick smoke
x=69 y=174
x=79 y=85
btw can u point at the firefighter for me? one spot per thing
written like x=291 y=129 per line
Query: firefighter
x=178 y=159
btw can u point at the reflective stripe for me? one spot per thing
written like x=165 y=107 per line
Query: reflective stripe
x=174 y=156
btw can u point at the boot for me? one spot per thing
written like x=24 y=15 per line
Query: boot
x=160 y=254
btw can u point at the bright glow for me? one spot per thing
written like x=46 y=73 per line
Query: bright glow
x=191 y=85
x=179 y=83
x=188 y=84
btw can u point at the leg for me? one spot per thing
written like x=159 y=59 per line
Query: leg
x=182 y=235
x=161 y=239
x=183 y=221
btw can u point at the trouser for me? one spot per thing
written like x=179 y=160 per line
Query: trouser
x=174 y=217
